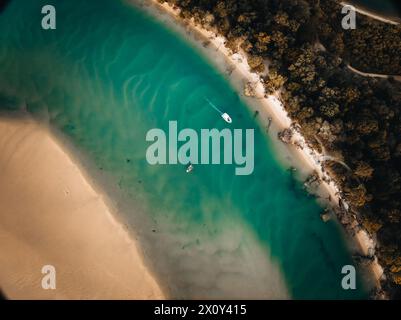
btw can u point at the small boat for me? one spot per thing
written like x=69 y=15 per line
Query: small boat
x=190 y=168
x=226 y=117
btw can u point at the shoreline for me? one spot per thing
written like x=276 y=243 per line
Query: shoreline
x=272 y=108
x=70 y=225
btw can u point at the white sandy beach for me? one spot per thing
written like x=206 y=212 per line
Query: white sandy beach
x=51 y=215
x=305 y=159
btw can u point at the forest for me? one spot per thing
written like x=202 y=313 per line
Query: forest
x=353 y=118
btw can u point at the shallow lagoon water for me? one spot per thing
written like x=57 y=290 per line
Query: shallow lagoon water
x=107 y=75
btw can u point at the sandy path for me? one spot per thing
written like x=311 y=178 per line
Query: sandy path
x=371 y=14
x=374 y=75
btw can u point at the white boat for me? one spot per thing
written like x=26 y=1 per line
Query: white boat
x=226 y=117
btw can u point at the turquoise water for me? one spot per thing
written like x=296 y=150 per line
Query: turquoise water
x=107 y=75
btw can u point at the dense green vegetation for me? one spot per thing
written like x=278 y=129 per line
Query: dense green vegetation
x=371 y=47
x=354 y=118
